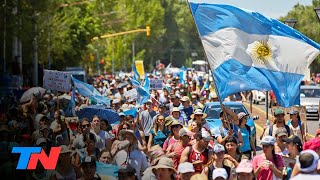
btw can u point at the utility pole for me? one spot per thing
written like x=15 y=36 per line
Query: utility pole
x=35 y=51
x=4 y=36
x=49 y=48
x=133 y=52
x=112 y=57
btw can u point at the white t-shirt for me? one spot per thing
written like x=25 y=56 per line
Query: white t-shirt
x=296 y=130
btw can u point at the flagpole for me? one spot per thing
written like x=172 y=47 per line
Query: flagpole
x=225 y=121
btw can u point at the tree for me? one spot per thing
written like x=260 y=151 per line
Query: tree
x=308 y=24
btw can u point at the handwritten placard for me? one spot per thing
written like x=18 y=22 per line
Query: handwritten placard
x=57 y=80
x=156 y=84
x=287 y=161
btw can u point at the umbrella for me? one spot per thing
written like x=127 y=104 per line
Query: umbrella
x=102 y=111
x=26 y=96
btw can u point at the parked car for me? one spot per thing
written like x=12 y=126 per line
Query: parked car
x=258 y=96
x=310 y=98
x=213 y=109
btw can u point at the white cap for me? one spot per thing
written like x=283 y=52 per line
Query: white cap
x=116 y=101
x=219 y=172
x=218 y=148
x=185 y=167
x=312 y=167
x=268 y=140
x=206 y=135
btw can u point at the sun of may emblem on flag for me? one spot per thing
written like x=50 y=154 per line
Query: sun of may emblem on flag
x=261 y=52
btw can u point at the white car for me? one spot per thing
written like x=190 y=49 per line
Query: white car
x=310 y=98
x=258 y=96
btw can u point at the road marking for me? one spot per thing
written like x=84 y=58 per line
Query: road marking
x=258 y=127
x=270 y=117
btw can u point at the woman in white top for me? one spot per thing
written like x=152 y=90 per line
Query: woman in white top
x=296 y=125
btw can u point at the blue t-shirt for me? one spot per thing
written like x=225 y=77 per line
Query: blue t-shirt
x=186 y=113
x=159 y=138
x=246 y=140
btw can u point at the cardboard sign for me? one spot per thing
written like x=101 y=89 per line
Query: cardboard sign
x=140 y=68
x=131 y=95
x=57 y=80
x=288 y=161
x=156 y=84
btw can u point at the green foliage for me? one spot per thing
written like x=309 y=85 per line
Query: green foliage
x=308 y=24
x=65 y=30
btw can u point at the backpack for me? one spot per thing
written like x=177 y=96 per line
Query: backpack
x=299 y=123
x=286 y=126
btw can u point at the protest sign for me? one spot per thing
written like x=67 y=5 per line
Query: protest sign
x=57 y=80
x=140 y=68
x=156 y=84
x=131 y=95
x=288 y=162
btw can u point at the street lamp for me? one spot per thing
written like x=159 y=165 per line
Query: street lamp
x=290 y=22
x=317 y=11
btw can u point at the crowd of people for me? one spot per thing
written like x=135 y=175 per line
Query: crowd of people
x=167 y=137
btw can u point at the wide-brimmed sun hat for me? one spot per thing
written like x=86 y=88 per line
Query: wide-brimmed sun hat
x=198 y=111
x=165 y=162
x=175 y=109
x=175 y=122
x=124 y=131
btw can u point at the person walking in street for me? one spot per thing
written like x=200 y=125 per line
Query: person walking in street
x=268 y=165
x=280 y=146
x=245 y=170
x=174 y=151
x=198 y=154
x=248 y=147
x=174 y=137
x=217 y=161
x=278 y=123
x=307 y=164
x=296 y=125
x=157 y=134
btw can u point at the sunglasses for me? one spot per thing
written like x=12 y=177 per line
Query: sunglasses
x=175 y=126
x=266 y=146
x=86 y=125
x=280 y=115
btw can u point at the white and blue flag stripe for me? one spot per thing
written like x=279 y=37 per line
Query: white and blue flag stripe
x=248 y=51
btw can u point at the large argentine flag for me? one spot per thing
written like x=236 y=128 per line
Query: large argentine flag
x=247 y=51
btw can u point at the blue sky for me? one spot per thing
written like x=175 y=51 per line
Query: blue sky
x=271 y=8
